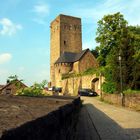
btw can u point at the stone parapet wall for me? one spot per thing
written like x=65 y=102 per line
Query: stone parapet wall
x=133 y=101
x=59 y=124
x=130 y=100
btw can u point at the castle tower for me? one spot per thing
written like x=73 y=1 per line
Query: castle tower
x=66 y=36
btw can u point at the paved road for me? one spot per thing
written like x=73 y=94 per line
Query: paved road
x=101 y=121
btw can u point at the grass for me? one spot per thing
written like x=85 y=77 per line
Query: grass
x=129 y=91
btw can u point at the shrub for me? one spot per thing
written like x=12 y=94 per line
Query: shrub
x=109 y=87
x=129 y=91
x=89 y=71
x=31 y=91
x=35 y=90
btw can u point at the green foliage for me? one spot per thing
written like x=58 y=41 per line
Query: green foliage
x=31 y=91
x=117 y=39
x=134 y=42
x=68 y=75
x=109 y=87
x=87 y=72
x=35 y=90
x=95 y=53
x=14 y=79
x=110 y=31
x=129 y=91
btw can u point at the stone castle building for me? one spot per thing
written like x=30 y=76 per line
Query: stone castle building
x=66 y=54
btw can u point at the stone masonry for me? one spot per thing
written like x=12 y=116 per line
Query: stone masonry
x=65 y=37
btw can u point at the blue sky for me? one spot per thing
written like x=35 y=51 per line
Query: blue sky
x=25 y=33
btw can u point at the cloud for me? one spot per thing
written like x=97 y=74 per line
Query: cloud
x=41 y=11
x=130 y=10
x=8 y=27
x=5 y=57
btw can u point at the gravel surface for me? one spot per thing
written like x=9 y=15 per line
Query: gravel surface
x=16 y=110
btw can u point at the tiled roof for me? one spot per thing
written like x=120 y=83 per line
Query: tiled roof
x=69 y=57
x=1 y=86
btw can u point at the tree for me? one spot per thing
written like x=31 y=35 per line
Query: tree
x=110 y=33
x=95 y=53
x=134 y=42
x=14 y=79
x=116 y=38
x=35 y=90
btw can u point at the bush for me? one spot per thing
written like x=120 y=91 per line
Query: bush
x=109 y=87
x=31 y=91
x=89 y=71
x=35 y=90
x=129 y=91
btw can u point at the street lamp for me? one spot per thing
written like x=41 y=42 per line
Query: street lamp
x=100 y=85
x=121 y=82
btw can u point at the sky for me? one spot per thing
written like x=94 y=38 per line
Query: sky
x=25 y=31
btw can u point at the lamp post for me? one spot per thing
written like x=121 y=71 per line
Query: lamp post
x=100 y=85
x=121 y=82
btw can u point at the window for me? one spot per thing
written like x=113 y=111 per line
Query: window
x=65 y=26
x=75 y=27
x=8 y=91
x=64 y=42
x=70 y=27
x=59 y=71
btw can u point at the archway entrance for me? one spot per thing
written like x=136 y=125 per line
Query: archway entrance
x=94 y=84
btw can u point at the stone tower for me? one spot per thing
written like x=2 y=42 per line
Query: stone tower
x=66 y=36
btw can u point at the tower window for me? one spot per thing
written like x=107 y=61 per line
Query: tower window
x=64 y=42
x=75 y=27
x=65 y=26
x=59 y=71
x=70 y=27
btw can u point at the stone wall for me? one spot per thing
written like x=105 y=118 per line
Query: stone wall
x=71 y=85
x=70 y=34
x=130 y=100
x=66 y=36
x=57 y=125
x=54 y=46
x=60 y=69
x=76 y=67
x=87 y=61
